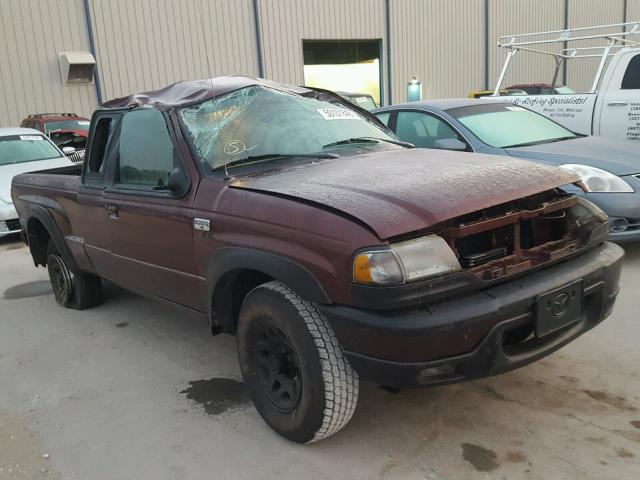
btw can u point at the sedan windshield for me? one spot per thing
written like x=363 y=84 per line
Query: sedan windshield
x=261 y=123
x=505 y=125
x=26 y=148
x=82 y=125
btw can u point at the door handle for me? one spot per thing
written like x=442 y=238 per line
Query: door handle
x=618 y=103
x=112 y=211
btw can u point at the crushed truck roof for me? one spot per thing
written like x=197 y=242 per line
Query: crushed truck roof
x=185 y=93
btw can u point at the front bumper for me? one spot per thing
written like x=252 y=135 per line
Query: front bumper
x=472 y=337
x=620 y=206
x=9 y=221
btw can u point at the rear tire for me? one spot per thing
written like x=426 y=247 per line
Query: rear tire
x=71 y=289
x=293 y=366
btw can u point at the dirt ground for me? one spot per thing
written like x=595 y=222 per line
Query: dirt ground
x=132 y=390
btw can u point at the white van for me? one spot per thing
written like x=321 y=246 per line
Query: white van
x=611 y=107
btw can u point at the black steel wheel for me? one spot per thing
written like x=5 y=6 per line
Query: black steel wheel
x=294 y=369
x=61 y=280
x=276 y=364
x=72 y=289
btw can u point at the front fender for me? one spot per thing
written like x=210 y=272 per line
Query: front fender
x=295 y=276
x=231 y=267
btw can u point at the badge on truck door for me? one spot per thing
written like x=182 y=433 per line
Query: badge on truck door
x=201 y=224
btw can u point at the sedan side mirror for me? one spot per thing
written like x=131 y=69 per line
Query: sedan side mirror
x=450 y=144
x=68 y=151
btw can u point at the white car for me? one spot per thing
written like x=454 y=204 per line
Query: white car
x=23 y=150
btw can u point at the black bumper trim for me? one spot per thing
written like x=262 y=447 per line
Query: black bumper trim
x=600 y=270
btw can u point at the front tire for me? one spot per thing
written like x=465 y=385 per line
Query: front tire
x=293 y=366
x=71 y=289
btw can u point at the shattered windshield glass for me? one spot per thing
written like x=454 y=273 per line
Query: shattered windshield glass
x=257 y=121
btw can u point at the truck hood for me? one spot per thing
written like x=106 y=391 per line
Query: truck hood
x=615 y=156
x=7 y=172
x=396 y=192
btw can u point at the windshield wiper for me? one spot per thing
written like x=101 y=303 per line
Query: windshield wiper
x=273 y=156
x=540 y=142
x=368 y=140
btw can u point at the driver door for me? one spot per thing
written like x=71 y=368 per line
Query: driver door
x=150 y=228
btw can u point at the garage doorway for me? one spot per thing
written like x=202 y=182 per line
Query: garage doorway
x=351 y=66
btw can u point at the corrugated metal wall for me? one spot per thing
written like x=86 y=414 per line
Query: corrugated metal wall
x=147 y=44
x=440 y=42
x=522 y=16
x=584 y=13
x=31 y=35
x=633 y=10
x=285 y=23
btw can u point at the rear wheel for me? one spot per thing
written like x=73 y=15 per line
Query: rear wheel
x=71 y=289
x=293 y=366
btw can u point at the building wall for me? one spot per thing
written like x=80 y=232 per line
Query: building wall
x=522 y=16
x=584 y=13
x=286 y=23
x=31 y=35
x=147 y=44
x=440 y=42
x=633 y=10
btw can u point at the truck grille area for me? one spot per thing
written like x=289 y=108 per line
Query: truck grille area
x=511 y=238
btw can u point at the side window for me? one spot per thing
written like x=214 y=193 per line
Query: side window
x=422 y=129
x=146 y=153
x=631 y=80
x=99 y=140
x=384 y=117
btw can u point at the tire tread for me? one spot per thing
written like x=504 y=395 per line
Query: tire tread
x=341 y=383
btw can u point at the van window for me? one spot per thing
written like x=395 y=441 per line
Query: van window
x=146 y=152
x=631 y=80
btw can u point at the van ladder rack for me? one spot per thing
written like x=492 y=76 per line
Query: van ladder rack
x=616 y=36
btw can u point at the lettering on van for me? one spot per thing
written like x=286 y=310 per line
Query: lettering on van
x=572 y=111
x=566 y=106
x=633 y=121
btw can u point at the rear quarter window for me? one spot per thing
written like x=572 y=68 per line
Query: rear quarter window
x=631 y=80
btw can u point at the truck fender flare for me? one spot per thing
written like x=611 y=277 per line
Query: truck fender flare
x=229 y=260
x=41 y=214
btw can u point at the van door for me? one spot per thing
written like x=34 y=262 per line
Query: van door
x=620 y=103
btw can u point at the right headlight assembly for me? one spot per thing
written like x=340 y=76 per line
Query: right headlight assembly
x=403 y=262
x=597 y=180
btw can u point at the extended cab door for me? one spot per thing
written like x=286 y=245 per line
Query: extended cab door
x=620 y=103
x=147 y=229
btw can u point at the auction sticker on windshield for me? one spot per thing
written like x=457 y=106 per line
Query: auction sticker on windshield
x=30 y=137
x=338 y=114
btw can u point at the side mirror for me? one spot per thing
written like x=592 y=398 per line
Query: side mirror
x=68 y=151
x=177 y=183
x=450 y=144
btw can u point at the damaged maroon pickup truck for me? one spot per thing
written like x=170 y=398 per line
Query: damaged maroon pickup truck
x=333 y=252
